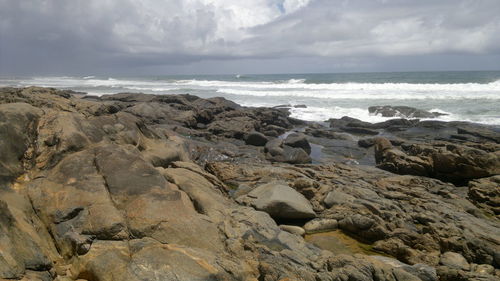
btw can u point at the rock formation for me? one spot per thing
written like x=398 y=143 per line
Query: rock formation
x=175 y=187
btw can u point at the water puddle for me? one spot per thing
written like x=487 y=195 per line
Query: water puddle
x=339 y=243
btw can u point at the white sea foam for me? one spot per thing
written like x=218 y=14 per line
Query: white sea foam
x=324 y=101
x=61 y=82
x=323 y=114
x=295 y=84
x=296 y=81
x=389 y=94
x=292 y=87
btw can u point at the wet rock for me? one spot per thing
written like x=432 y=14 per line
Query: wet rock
x=347 y=121
x=381 y=146
x=394 y=125
x=359 y=131
x=274 y=147
x=280 y=201
x=484 y=133
x=321 y=133
x=256 y=138
x=294 y=155
x=278 y=152
x=402 y=111
x=366 y=142
x=298 y=140
x=273 y=130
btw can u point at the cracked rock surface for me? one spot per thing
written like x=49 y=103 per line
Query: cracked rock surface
x=145 y=187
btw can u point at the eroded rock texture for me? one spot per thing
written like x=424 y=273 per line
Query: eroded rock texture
x=175 y=187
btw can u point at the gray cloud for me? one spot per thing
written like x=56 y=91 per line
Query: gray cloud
x=57 y=36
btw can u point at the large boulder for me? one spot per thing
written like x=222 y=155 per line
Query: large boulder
x=294 y=155
x=280 y=201
x=256 y=138
x=277 y=151
x=298 y=140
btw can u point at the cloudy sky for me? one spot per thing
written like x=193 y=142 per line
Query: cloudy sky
x=246 y=36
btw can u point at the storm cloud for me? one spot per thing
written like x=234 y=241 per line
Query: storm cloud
x=216 y=36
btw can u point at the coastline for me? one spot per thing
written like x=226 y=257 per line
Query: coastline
x=463 y=96
x=117 y=184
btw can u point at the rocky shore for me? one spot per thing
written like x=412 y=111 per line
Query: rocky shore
x=176 y=187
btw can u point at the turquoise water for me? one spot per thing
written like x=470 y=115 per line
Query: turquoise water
x=466 y=96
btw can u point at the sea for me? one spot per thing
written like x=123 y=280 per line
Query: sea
x=462 y=95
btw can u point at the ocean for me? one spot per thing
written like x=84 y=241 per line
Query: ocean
x=464 y=96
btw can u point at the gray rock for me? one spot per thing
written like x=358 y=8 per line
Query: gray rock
x=280 y=201
x=256 y=138
x=484 y=133
x=297 y=230
x=402 y=111
x=454 y=260
x=298 y=140
x=320 y=225
x=356 y=223
x=294 y=155
x=366 y=142
x=347 y=121
x=337 y=198
x=277 y=151
x=422 y=271
x=274 y=147
x=359 y=130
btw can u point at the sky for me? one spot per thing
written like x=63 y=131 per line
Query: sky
x=135 y=37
